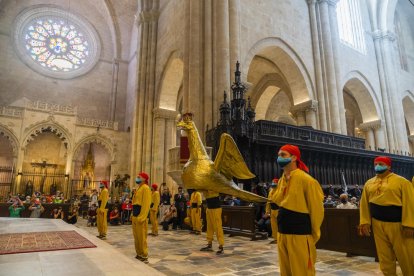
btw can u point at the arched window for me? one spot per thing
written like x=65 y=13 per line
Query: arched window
x=351 y=32
x=400 y=42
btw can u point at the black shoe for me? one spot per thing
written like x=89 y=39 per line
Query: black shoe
x=220 y=251
x=209 y=248
x=99 y=236
x=197 y=232
x=273 y=242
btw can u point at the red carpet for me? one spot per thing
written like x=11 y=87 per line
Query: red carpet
x=42 y=241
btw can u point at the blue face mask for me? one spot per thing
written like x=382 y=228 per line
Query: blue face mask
x=380 y=169
x=138 y=180
x=283 y=161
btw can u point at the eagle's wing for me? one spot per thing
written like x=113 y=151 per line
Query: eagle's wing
x=229 y=160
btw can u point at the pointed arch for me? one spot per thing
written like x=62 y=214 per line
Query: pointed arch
x=47 y=125
x=360 y=88
x=171 y=82
x=9 y=134
x=288 y=63
x=99 y=139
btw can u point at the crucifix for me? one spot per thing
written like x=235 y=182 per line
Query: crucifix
x=43 y=170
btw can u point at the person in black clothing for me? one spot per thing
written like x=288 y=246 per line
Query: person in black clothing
x=180 y=204
x=165 y=199
x=84 y=199
x=357 y=191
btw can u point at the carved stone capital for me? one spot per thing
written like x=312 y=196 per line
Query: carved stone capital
x=383 y=35
x=310 y=105
x=161 y=113
x=372 y=125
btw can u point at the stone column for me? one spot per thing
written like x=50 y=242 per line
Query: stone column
x=221 y=52
x=386 y=40
x=318 y=66
x=329 y=62
x=411 y=139
x=307 y=109
x=379 y=136
x=164 y=126
x=234 y=32
x=209 y=113
x=115 y=72
x=335 y=48
x=369 y=128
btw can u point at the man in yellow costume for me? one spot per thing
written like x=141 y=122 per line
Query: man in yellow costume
x=102 y=211
x=387 y=204
x=154 y=209
x=196 y=212
x=214 y=224
x=272 y=210
x=300 y=200
x=141 y=202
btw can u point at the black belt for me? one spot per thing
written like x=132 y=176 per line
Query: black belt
x=291 y=222
x=213 y=202
x=274 y=206
x=152 y=204
x=194 y=205
x=99 y=204
x=386 y=213
x=136 y=209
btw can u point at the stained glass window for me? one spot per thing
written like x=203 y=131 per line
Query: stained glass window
x=56 y=43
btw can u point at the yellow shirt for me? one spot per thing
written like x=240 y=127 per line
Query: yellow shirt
x=155 y=200
x=303 y=194
x=142 y=197
x=391 y=190
x=210 y=194
x=269 y=197
x=103 y=197
x=196 y=198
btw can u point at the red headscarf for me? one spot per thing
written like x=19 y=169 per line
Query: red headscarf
x=105 y=183
x=384 y=159
x=294 y=150
x=275 y=180
x=144 y=176
x=154 y=186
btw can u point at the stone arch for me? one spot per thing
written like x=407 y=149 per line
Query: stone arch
x=9 y=134
x=359 y=87
x=287 y=62
x=48 y=125
x=171 y=82
x=99 y=139
x=408 y=108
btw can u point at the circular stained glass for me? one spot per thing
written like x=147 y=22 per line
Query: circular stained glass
x=56 y=43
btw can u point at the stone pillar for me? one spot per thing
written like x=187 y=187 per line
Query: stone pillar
x=411 y=139
x=386 y=40
x=305 y=113
x=329 y=59
x=221 y=52
x=380 y=137
x=114 y=92
x=164 y=126
x=209 y=113
x=234 y=32
x=142 y=128
x=372 y=141
x=318 y=66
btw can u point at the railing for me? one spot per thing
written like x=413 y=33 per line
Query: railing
x=11 y=111
x=268 y=128
x=97 y=123
x=57 y=108
x=42 y=180
x=6 y=180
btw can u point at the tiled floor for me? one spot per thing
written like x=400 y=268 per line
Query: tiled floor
x=102 y=260
x=177 y=253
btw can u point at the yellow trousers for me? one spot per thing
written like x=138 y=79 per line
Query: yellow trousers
x=214 y=225
x=273 y=222
x=102 y=222
x=154 y=222
x=297 y=254
x=196 y=219
x=391 y=246
x=139 y=230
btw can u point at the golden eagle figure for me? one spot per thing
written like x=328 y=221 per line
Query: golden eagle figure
x=201 y=173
